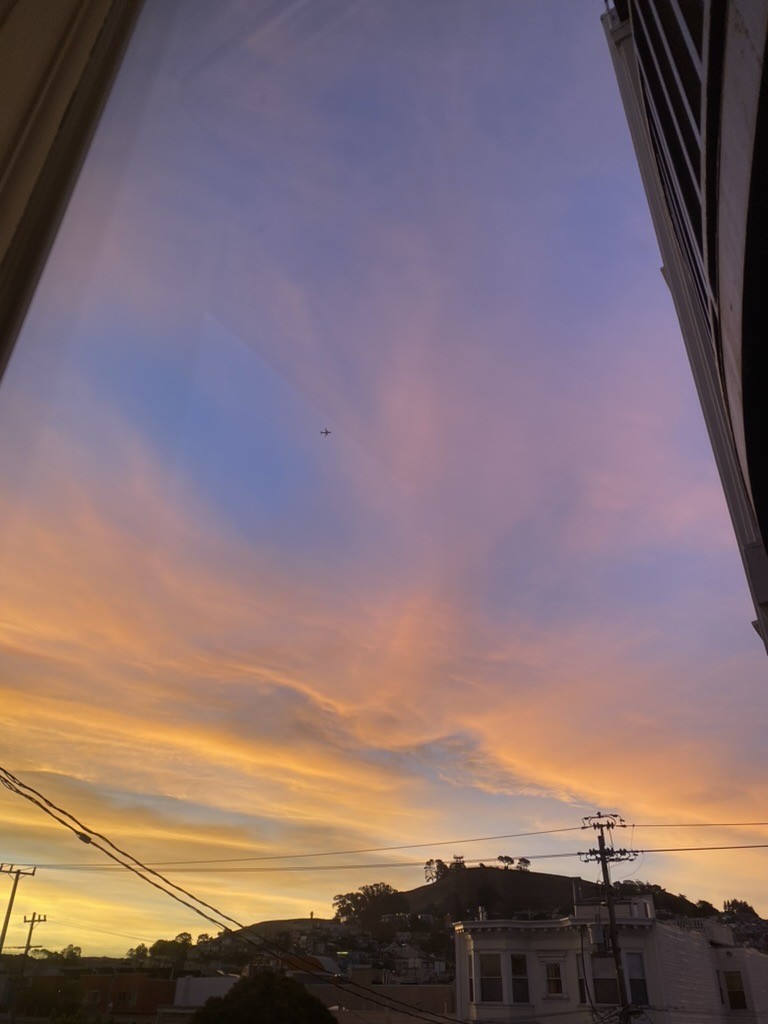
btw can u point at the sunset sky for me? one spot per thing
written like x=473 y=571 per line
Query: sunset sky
x=501 y=594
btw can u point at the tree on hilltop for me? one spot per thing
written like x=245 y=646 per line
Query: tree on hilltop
x=172 y=949
x=740 y=907
x=435 y=870
x=67 y=954
x=369 y=904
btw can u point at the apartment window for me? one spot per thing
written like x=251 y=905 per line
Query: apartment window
x=491 y=990
x=126 y=999
x=520 y=993
x=553 y=977
x=692 y=12
x=604 y=985
x=638 y=988
x=674 y=35
x=734 y=990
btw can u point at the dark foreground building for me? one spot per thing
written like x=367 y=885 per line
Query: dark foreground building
x=58 y=59
x=692 y=79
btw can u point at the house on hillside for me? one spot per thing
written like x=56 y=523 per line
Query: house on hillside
x=674 y=973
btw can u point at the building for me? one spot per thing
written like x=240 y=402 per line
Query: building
x=358 y=998
x=675 y=973
x=691 y=74
x=57 y=64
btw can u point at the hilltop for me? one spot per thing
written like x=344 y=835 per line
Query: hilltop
x=513 y=893
x=503 y=893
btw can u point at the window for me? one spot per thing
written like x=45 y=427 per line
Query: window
x=520 y=992
x=490 y=978
x=554 y=978
x=126 y=999
x=471 y=976
x=638 y=989
x=734 y=989
x=604 y=985
x=92 y=997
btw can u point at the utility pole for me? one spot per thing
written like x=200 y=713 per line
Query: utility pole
x=31 y=921
x=603 y=823
x=11 y=869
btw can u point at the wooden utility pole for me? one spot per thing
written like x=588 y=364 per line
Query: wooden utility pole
x=16 y=873
x=602 y=823
x=32 y=921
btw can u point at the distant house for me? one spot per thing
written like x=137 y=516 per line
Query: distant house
x=674 y=973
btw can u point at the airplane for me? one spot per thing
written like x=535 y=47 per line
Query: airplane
x=325 y=432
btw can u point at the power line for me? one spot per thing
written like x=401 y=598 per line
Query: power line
x=90 y=836
x=705 y=824
x=208 y=867
x=350 y=853
x=92 y=928
x=386 y=849
x=696 y=849
x=85 y=834
x=164 y=885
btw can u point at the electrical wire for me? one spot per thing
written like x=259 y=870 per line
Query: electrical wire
x=90 y=836
x=143 y=871
x=288 y=867
x=349 y=853
x=694 y=849
x=407 y=846
x=705 y=824
x=92 y=928
x=386 y=865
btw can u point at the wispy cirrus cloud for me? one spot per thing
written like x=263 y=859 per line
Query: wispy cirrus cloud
x=499 y=591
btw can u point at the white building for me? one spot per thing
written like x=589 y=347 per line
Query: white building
x=689 y=973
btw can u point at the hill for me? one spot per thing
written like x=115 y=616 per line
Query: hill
x=514 y=893
x=503 y=893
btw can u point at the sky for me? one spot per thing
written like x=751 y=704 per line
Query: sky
x=501 y=594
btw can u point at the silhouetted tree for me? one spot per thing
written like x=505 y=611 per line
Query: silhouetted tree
x=172 y=949
x=69 y=952
x=368 y=905
x=266 y=998
x=436 y=869
x=740 y=907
